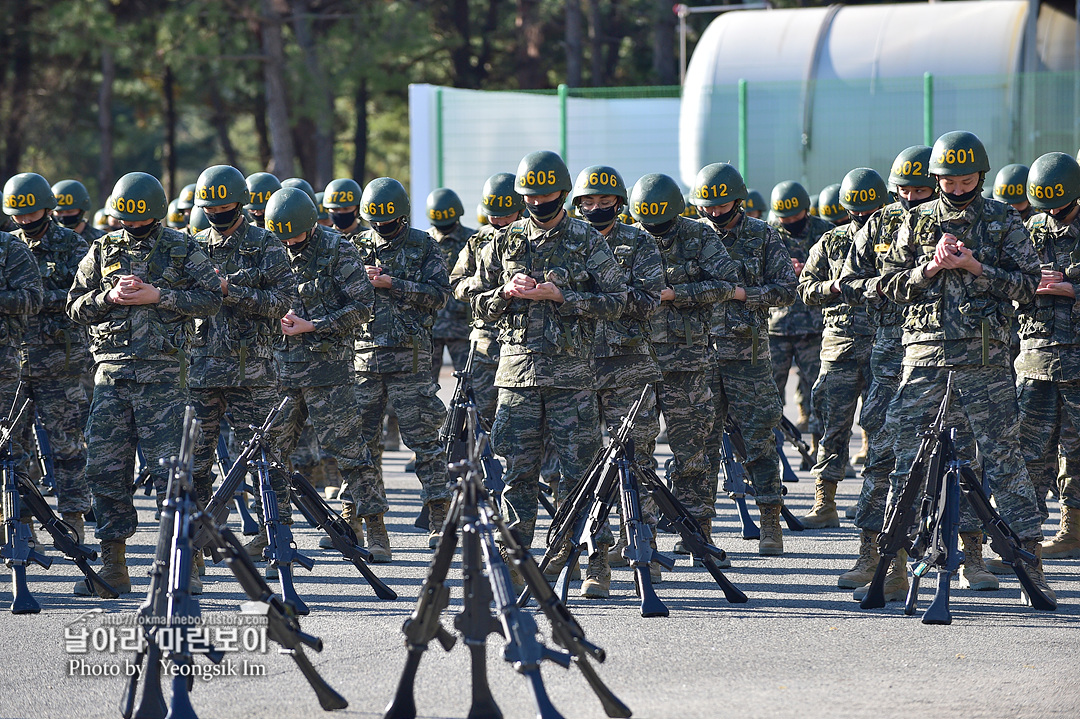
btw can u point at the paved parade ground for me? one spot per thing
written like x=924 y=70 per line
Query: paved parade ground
x=799 y=648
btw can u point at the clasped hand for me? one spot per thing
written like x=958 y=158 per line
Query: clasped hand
x=1051 y=284
x=378 y=279
x=293 y=324
x=527 y=288
x=951 y=254
x=131 y=290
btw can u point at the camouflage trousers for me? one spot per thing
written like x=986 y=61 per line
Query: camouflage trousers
x=336 y=416
x=805 y=352
x=886 y=366
x=307 y=453
x=614 y=403
x=63 y=407
x=523 y=416
x=747 y=392
x=1046 y=409
x=837 y=391
x=245 y=406
x=420 y=414
x=459 y=355
x=984 y=412
x=125 y=413
x=686 y=402
x=485 y=364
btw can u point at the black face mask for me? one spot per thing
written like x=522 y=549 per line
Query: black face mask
x=720 y=221
x=908 y=204
x=601 y=217
x=959 y=202
x=661 y=228
x=141 y=233
x=795 y=229
x=259 y=220
x=858 y=220
x=546 y=211
x=299 y=246
x=222 y=221
x=70 y=221
x=343 y=220
x=387 y=230
x=35 y=228
x=1062 y=212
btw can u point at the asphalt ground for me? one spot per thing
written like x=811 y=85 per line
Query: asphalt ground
x=799 y=648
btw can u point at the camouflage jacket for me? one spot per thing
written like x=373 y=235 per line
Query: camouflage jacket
x=234 y=348
x=699 y=270
x=453 y=320
x=798 y=319
x=334 y=294
x=397 y=338
x=21 y=293
x=763 y=269
x=91 y=233
x=954 y=317
x=845 y=325
x=145 y=343
x=54 y=345
x=861 y=275
x=545 y=343
x=624 y=356
x=464 y=283
x=1050 y=324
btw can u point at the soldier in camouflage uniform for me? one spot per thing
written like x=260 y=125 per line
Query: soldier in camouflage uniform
x=55 y=354
x=1048 y=368
x=501 y=206
x=260 y=186
x=741 y=376
x=138 y=290
x=444 y=211
x=545 y=281
x=911 y=181
x=185 y=202
x=1010 y=187
x=393 y=349
x=959 y=262
x=315 y=357
x=72 y=204
x=698 y=274
x=232 y=368
x=795 y=331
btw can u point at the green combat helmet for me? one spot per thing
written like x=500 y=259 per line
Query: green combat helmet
x=1010 y=185
x=755 y=202
x=863 y=191
x=260 y=186
x=958 y=153
x=444 y=208
x=221 y=185
x=320 y=208
x=300 y=184
x=717 y=184
x=187 y=198
x=342 y=192
x=541 y=173
x=911 y=168
x=290 y=213
x=655 y=202
x=789 y=198
x=197 y=222
x=598 y=180
x=101 y=222
x=815 y=207
x=1053 y=181
x=828 y=205
x=499 y=198
x=27 y=192
x=71 y=195
x=137 y=196
x=175 y=218
x=481 y=216
x=384 y=200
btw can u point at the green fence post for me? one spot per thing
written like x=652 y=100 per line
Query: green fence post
x=438 y=138
x=564 y=93
x=744 y=128
x=928 y=109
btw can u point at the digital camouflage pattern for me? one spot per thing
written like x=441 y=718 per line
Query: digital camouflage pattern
x=546 y=373
x=859 y=285
x=232 y=357
x=957 y=321
x=54 y=356
x=454 y=320
x=701 y=273
x=485 y=335
x=846 y=343
x=797 y=318
x=1048 y=367
x=741 y=377
x=141 y=353
x=393 y=350
x=316 y=368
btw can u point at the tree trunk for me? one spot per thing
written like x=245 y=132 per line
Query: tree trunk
x=530 y=33
x=219 y=118
x=319 y=168
x=281 y=145
x=664 y=63
x=21 y=87
x=106 y=177
x=359 y=166
x=596 y=44
x=575 y=43
x=169 y=153
x=262 y=132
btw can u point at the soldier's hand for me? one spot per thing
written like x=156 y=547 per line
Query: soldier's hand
x=960 y=258
x=516 y=285
x=1062 y=289
x=797 y=266
x=131 y=290
x=380 y=280
x=224 y=285
x=292 y=324
x=543 y=291
x=667 y=294
x=740 y=295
